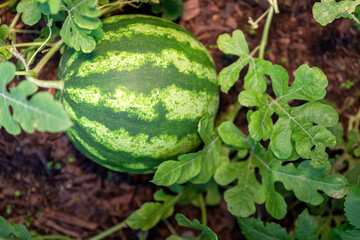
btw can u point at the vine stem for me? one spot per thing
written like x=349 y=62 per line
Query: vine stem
x=107 y=8
x=265 y=34
x=7 y=3
x=230 y=114
x=203 y=210
x=58 y=237
x=109 y=231
x=170 y=227
x=33 y=44
x=57 y=84
x=12 y=26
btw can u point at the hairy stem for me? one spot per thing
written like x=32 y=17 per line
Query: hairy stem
x=109 y=231
x=24 y=73
x=57 y=84
x=265 y=34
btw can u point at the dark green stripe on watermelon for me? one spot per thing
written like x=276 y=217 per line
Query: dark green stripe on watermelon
x=137 y=138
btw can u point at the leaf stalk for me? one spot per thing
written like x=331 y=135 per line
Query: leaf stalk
x=109 y=231
x=265 y=34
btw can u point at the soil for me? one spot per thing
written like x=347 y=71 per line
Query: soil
x=46 y=184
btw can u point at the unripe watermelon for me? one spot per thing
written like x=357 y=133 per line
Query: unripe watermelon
x=136 y=100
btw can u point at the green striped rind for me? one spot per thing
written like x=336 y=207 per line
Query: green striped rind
x=137 y=99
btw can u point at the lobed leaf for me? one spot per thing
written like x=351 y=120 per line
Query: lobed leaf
x=237 y=45
x=350 y=234
x=327 y=11
x=206 y=232
x=304 y=180
x=305 y=228
x=82 y=20
x=152 y=212
x=303 y=128
x=352 y=206
x=31 y=13
x=54 y=5
x=41 y=112
x=253 y=229
x=241 y=198
x=196 y=167
x=19 y=231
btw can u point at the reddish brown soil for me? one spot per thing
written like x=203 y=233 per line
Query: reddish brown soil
x=81 y=199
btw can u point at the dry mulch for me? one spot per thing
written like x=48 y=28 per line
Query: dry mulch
x=48 y=185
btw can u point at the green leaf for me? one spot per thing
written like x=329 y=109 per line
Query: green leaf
x=350 y=235
x=31 y=13
x=240 y=199
x=352 y=206
x=54 y=5
x=237 y=45
x=5 y=54
x=4 y=31
x=172 y=9
x=41 y=112
x=353 y=174
x=253 y=229
x=304 y=180
x=232 y=136
x=18 y=231
x=5 y=229
x=305 y=228
x=206 y=232
x=327 y=11
x=213 y=195
x=21 y=232
x=151 y=213
x=196 y=167
x=77 y=30
x=303 y=128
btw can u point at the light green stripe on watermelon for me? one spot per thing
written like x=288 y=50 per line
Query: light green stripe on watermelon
x=70 y=61
x=153 y=30
x=139 y=145
x=129 y=61
x=90 y=94
x=180 y=103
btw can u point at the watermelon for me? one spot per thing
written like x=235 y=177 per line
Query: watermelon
x=137 y=99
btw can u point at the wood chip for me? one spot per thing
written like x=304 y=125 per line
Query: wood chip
x=60 y=229
x=70 y=219
x=231 y=22
x=191 y=9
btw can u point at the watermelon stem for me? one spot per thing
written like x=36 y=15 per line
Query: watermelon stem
x=230 y=114
x=57 y=84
